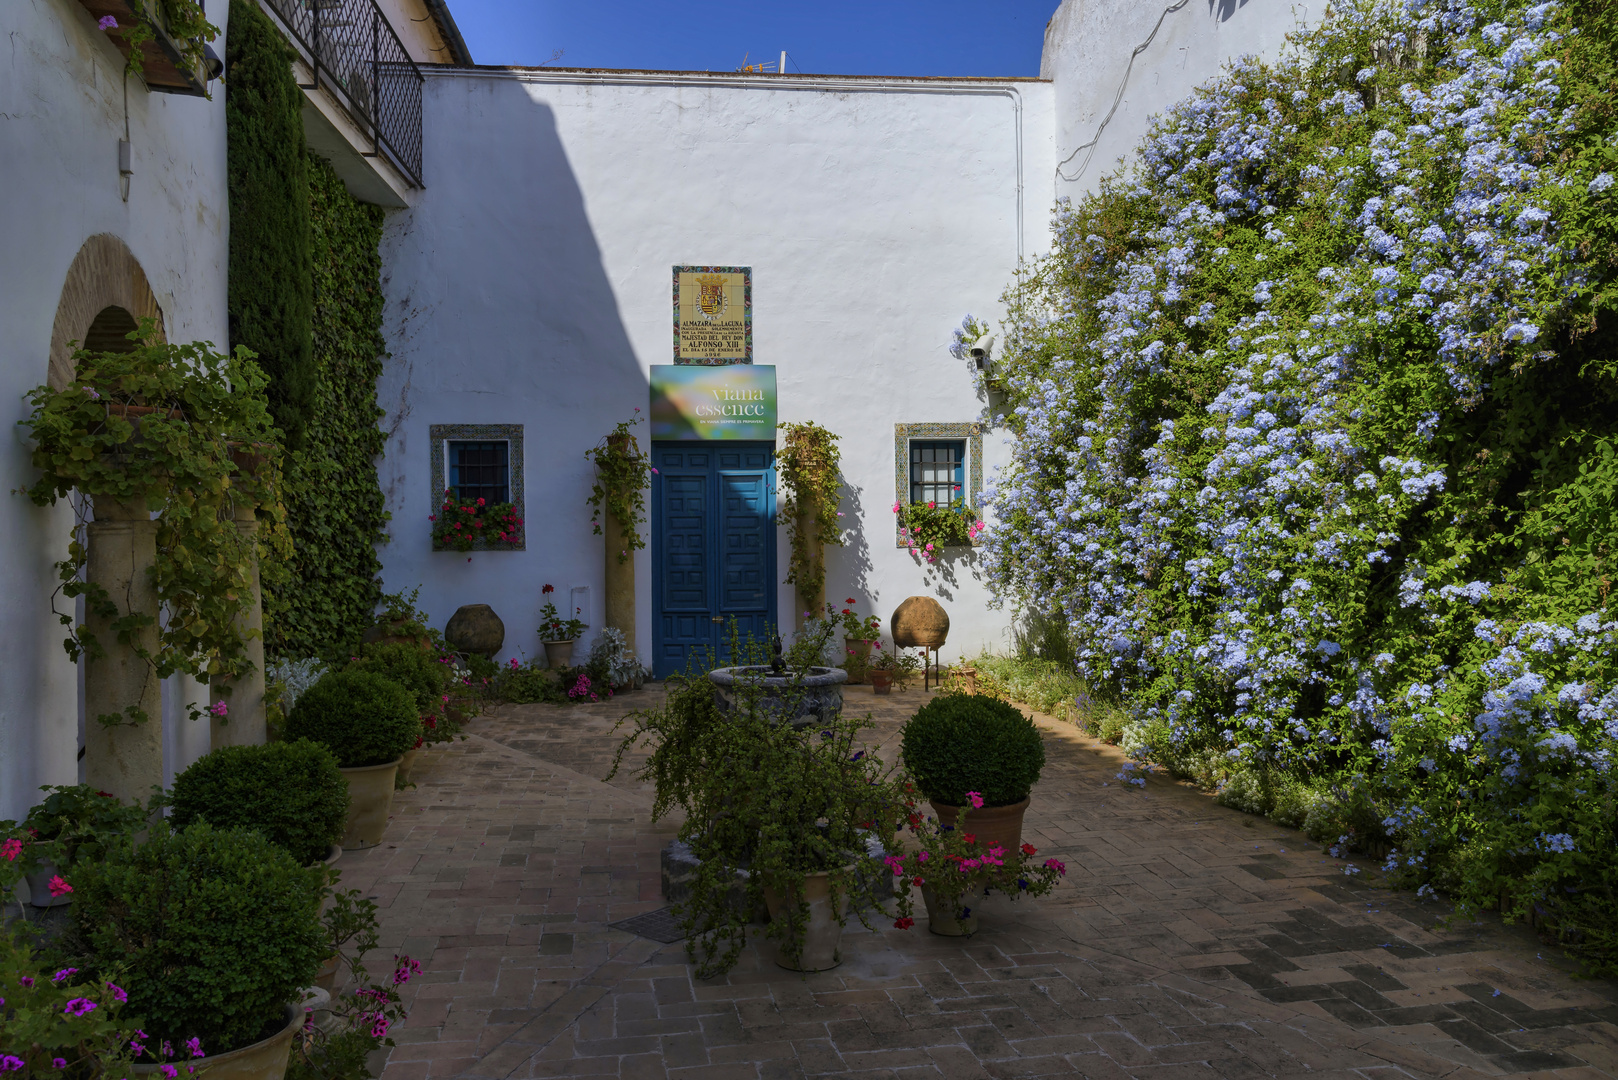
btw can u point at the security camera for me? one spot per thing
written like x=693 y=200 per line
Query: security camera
x=980 y=352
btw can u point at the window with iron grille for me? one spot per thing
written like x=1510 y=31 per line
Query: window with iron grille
x=938 y=471
x=480 y=470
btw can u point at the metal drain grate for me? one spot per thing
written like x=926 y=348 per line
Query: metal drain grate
x=659 y=925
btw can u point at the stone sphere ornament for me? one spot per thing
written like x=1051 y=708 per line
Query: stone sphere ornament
x=919 y=622
x=475 y=628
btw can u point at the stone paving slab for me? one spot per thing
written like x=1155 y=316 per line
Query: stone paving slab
x=1188 y=940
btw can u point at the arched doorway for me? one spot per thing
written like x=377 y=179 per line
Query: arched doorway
x=105 y=290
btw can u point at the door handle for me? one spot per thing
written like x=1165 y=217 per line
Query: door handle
x=718 y=618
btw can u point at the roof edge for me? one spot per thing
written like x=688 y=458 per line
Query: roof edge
x=762 y=79
x=439 y=10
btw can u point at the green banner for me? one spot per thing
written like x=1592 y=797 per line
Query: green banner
x=736 y=401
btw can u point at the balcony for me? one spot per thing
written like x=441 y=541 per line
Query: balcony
x=362 y=94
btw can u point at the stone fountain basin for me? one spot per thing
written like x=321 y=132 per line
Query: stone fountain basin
x=815 y=698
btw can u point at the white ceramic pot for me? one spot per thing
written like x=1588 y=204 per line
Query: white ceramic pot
x=39 y=887
x=558 y=654
x=957 y=920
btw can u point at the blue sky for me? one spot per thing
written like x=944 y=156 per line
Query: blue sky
x=834 y=37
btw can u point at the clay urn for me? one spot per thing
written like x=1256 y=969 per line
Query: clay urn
x=919 y=623
x=475 y=628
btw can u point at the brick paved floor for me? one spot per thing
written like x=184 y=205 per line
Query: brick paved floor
x=1187 y=941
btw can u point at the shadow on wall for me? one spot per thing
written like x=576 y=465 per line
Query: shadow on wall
x=501 y=312
x=1224 y=9
x=848 y=568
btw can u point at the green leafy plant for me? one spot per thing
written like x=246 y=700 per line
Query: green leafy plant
x=158 y=427
x=527 y=683
x=958 y=743
x=619 y=491
x=215 y=930
x=472 y=525
x=364 y=718
x=289 y=791
x=422 y=671
x=900 y=665
x=552 y=627
x=808 y=467
x=76 y=824
x=764 y=804
x=927 y=528
x=362 y=1017
x=184 y=21
x=59 y=1024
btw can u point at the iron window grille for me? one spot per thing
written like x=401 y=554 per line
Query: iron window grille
x=938 y=472
x=358 y=58
x=480 y=470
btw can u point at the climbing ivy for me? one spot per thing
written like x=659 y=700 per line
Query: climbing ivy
x=622 y=472
x=306 y=295
x=808 y=464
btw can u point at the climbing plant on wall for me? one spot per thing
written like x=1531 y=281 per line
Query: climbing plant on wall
x=1316 y=423
x=305 y=293
x=808 y=463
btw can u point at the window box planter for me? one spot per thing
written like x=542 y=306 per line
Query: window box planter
x=474 y=525
x=164 y=67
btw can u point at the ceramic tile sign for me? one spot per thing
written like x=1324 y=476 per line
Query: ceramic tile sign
x=693 y=402
x=713 y=314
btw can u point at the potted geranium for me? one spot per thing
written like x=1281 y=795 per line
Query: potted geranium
x=368 y=721
x=955 y=868
x=927 y=528
x=892 y=667
x=427 y=674
x=860 y=636
x=475 y=524
x=961 y=744
x=69 y=825
x=556 y=633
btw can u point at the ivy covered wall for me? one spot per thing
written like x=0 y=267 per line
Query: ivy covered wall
x=305 y=295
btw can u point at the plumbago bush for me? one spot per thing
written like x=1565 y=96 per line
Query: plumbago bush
x=1314 y=450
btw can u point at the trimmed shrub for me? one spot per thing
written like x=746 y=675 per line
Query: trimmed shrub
x=289 y=791
x=416 y=669
x=215 y=931
x=961 y=742
x=362 y=717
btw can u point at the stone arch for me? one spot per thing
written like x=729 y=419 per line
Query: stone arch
x=105 y=275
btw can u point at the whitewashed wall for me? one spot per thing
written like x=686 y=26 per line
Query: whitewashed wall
x=531 y=284
x=61 y=116
x=1088 y=51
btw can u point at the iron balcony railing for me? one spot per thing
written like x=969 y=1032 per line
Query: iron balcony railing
x=357 y=58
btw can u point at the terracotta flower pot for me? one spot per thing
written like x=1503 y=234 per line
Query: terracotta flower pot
x=263 y=1060
x=558 y=654
x=959 y=919
x=408 y=762
x=326 y=977
x=370 y=798
x=991 y=825
x=859 y=659
x=881 y=681
x=824 y=932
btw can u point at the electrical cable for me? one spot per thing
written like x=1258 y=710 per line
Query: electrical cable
x=1117 y=98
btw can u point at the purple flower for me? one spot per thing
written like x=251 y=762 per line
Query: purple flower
x=194 y=1045
x=118 y=994
x=106 y=22
x=58 y=1063
x=79 y=1006
x=60 y=975
x=10 y=1063
x=169 y=1070
x=27 y=981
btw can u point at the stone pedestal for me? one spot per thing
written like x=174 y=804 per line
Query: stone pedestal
x=125 y=758
x=243 y=723
x=812 y=602
x=620 y=582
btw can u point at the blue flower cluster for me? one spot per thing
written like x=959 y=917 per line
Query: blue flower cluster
x=1237 y=389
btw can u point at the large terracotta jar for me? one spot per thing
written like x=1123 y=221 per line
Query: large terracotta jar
x=991 y=824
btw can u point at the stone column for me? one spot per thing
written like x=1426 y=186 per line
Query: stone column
x=815 y=602
x=125 y=759
x=620 y=584
x=243 y=723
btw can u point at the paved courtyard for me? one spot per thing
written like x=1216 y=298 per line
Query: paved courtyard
x=1188 y=940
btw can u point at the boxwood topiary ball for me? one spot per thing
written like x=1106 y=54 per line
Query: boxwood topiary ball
x=289 y=791
x=412 y=667
x=962 y=742
x=214 y=931
x=362 y=717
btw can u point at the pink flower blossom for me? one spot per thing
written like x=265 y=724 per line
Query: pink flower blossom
x=219 y=708
x=11 y=849
x=1057 y=865
x=79 y=1006
x=975 y=799
x=59 y=887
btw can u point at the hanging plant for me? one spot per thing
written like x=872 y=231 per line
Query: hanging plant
x=184 y=23
x=808 y=466
x=622 y=473
x=184 y=430
x=927 y=529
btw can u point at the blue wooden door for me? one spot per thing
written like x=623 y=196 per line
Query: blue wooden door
x=713 y=549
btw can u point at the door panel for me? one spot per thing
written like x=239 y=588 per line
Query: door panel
x=713 y=549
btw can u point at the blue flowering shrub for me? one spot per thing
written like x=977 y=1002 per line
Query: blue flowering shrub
x=1314 y=421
